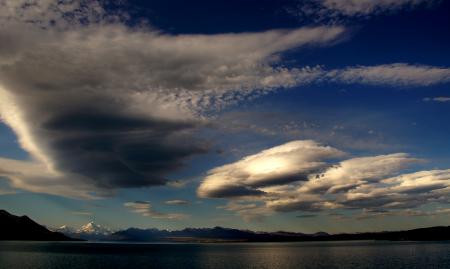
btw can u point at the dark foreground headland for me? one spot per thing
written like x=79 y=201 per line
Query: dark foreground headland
x=23 y=228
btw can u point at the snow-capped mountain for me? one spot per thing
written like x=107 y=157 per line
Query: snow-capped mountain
x=89 y=231
x=65 y=230
x=93 y=228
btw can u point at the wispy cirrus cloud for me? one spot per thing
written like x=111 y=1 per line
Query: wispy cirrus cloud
x=398 y=74
x=371 y=214
x=56 y=14
x=367 y=7
x=82 y=213
x=145 y=209
x=441 y=99
x=177 y=202
x=341 y=11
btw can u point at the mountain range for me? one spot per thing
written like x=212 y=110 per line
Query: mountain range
x=220 y=234
x=23 y=228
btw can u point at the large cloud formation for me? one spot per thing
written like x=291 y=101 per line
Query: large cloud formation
x=302 y=176
x=100 y=104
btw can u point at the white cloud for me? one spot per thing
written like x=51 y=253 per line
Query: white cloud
x=436 y=180
x=35 y=177
x=146 y=210
x=366 y=7
x=403 y=191
x=82 y=213
x=354 y=172
x=177 y=202
x=341 y=11
x=280 y=165
x=375 y=183
x=440 y=99
x=398 y=74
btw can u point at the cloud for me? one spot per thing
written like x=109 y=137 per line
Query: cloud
x=283 y=164
x=351 y=173
x=145 y=209
x=348 y=134
x=248 y=210
x=374 y=183
x=97 y=103
x=393 y=75
x=398 y=74
x=7 y=191
x=35 y=177
x=366 y=7
x=306 y=216
x=55 y=14
x=340 y=11
x=291 y=202
x=370 y=214
x=177 y=202
x=441 y=99
x=404 y=191
x=82 y=213
x=100 y=105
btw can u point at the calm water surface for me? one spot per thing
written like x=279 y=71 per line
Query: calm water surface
x=48 y=255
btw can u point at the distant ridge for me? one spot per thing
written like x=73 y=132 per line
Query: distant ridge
x=23 y=228
x=220 y=234
x=202 y=235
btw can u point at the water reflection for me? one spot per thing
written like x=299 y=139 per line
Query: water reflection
x=204 y=256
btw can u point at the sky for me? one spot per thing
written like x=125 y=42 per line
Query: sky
x=306 y=116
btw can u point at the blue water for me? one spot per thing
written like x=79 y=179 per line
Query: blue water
x=64 y=255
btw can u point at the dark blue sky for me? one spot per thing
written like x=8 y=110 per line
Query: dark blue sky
x=382 y=88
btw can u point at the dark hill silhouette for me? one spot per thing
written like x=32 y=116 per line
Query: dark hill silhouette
x=23 y=228
x=439 y=233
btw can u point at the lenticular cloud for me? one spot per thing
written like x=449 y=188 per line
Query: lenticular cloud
x=308 y=177
x=100 y=105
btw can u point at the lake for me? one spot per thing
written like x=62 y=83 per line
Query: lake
x=355 y=254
